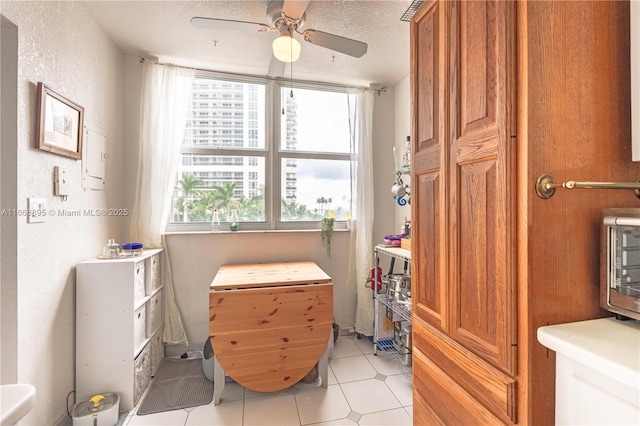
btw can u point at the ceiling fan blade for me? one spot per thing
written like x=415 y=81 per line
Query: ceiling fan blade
x=276 y=68
x=295 y=8
x=227 y=24
x=335 y=42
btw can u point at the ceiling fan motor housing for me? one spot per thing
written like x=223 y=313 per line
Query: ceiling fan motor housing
x=275 y=17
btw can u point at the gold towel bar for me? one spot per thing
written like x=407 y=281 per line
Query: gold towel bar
x=546 y=186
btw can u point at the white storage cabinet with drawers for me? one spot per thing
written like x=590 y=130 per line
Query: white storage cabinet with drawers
x=119 y=325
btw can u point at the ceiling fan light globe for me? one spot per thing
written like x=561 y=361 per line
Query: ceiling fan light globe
x=286 y=48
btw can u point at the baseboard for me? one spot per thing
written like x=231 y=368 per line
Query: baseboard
x=65 y=420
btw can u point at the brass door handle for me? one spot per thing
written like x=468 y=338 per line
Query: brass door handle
x=546 y=186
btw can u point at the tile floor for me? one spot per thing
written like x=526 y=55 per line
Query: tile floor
x=363 y=389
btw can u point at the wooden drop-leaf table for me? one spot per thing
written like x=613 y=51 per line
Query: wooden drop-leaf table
x=269 y=324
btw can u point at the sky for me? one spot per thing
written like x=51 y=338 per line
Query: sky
x=323 y=125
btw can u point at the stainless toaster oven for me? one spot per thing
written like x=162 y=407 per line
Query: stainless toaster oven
x=620 y=264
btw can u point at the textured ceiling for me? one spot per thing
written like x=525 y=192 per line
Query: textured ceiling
x=163 y=29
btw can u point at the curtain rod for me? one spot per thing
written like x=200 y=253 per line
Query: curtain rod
x=156 y=60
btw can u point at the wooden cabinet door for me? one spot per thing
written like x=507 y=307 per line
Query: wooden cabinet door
x=463 y=199
x=428 y=181
x=463 y=193
x=482 y=280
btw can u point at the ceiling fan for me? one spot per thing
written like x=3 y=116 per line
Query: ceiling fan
x=286 y=17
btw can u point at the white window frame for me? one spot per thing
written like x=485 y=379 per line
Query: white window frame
x=272 y=155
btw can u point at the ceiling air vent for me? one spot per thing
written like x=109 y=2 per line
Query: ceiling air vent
x=413 y=8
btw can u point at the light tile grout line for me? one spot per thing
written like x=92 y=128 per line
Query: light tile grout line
x=377 y=374
x=244 y=403
x=297 y=408
x=353 y=415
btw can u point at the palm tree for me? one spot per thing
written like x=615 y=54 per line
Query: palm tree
x=224 y=197
x=290 y=209
x=187 y=185
x=321 y=202
x=294 y=210
x=324 y=204
x=303 y=211
x=178 y=209
x=206 y=203
x=251 y=208
x=199 y=212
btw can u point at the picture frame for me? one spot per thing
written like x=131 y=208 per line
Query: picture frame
x=59 y=124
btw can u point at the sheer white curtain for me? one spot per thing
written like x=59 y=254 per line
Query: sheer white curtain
x=166 y=94
x=362 y=227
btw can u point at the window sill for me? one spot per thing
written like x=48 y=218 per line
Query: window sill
x=250 y=231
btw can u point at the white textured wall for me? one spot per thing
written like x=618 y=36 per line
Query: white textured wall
x=195 y=258
x=402 y=130
x=60 y=45
x=8 y=188
x=383 y=177
x=131 y=127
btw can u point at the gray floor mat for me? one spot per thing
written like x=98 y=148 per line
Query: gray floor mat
x=179 y=383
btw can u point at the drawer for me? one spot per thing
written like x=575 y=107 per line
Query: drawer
x=139 y=327
x=138 y=280
x=423 y=414
x=154 y=313
x=141 y=373
x=486 y=384
x=154 y=277
x=157 y=350
x=435 y=391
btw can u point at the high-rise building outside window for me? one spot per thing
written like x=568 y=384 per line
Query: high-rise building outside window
x=281 y=157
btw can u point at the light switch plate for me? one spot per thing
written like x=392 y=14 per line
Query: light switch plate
x=60 y=182
x=36 y=210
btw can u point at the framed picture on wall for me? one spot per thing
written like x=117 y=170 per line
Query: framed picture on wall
x=59 y=124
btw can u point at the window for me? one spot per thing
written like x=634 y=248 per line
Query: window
x=284 y=162
x=314 y=153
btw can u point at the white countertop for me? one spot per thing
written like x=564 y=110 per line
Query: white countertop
x=606 y=345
